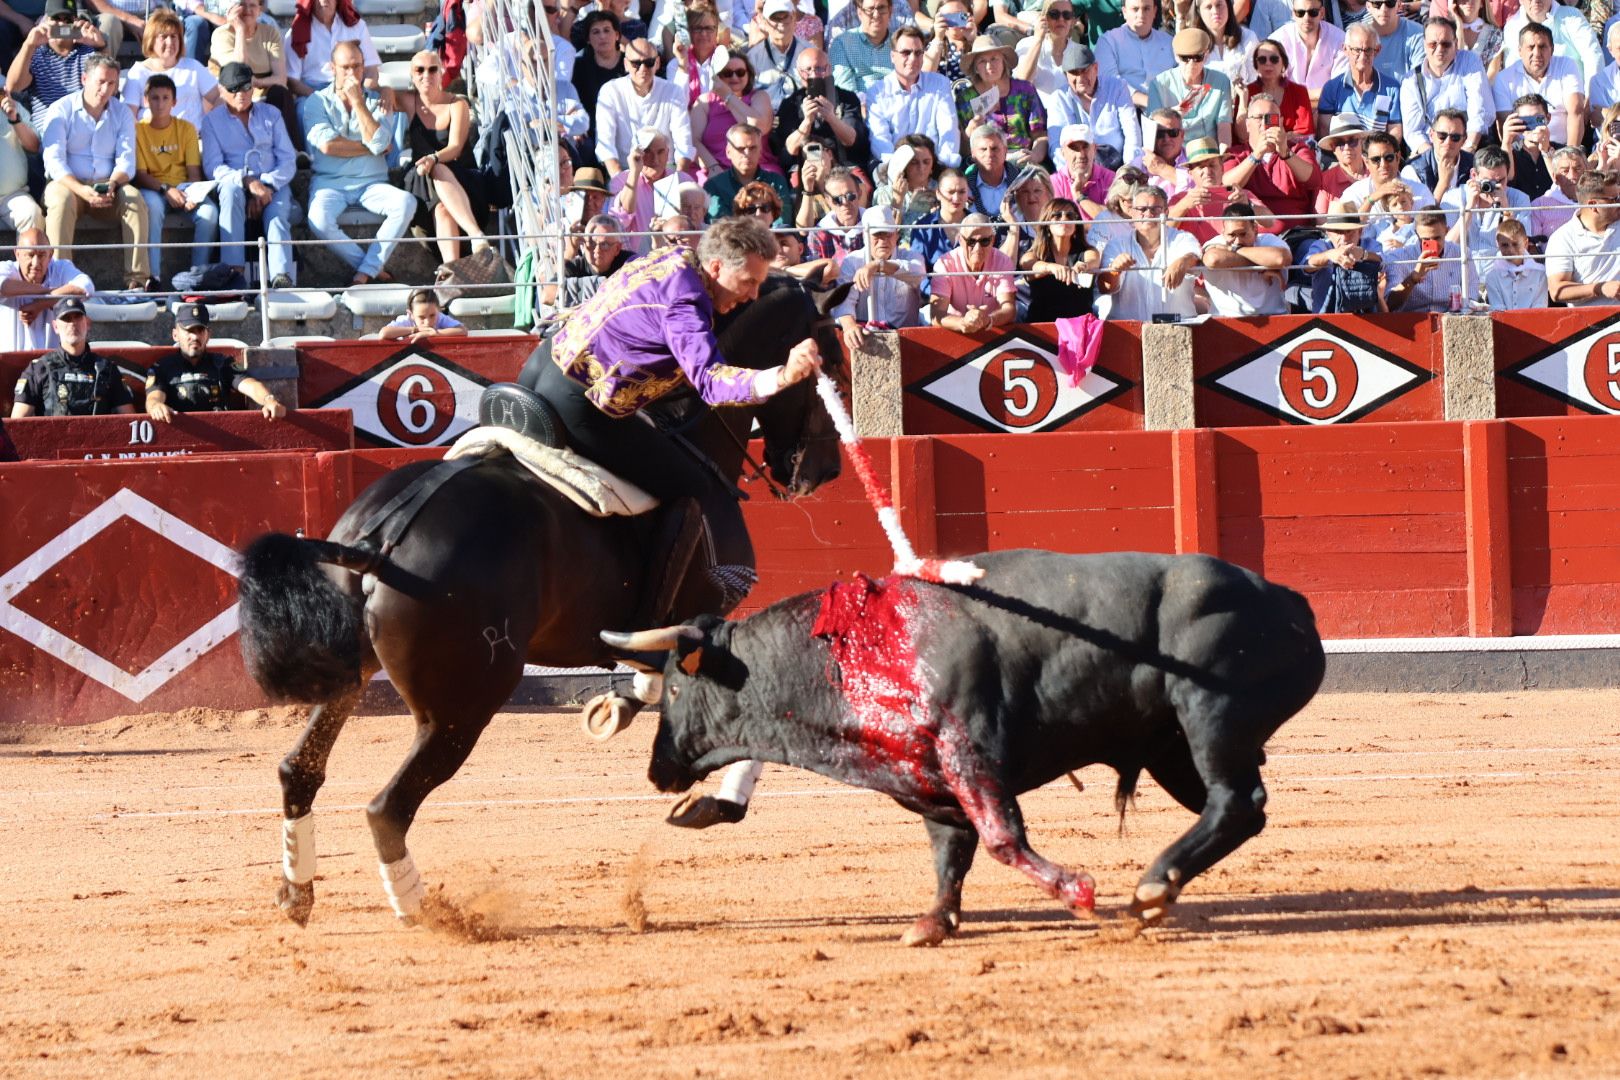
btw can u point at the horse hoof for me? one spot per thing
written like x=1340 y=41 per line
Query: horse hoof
x=929 y=930
x=605 y=715
x=701 y=811
x=296 y=901
x=1152 y=901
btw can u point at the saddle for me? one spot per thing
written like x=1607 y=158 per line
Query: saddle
x=521 y=423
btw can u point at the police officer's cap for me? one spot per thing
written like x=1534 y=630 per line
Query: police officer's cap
x=189 y=315
x=73 y=305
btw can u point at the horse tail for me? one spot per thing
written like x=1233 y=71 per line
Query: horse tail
x=301 y=634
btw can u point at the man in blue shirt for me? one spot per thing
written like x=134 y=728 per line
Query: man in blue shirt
x=50 y=64
x=1363 y=90
x=89 y=141
x=247 y=152
x=348 y=131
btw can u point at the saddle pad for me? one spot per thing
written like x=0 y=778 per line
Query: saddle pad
x=586 y=484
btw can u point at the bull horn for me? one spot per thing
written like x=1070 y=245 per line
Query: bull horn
x=664 y=638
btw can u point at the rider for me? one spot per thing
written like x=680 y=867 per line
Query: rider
x=648 y=331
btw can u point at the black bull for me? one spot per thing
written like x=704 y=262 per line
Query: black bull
x=953 y=700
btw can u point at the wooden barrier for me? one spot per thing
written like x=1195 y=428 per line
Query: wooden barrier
x=115 y=576
x=125 y=437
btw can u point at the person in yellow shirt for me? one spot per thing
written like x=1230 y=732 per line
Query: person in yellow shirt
x=168 y=161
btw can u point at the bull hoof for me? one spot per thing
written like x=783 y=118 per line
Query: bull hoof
x=1080 y=894
x=605 y=715
x=929 y=930
x=296 y=901
x=1152 y=901
x=701 y=811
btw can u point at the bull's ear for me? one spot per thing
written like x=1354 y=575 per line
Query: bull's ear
x=689 y=654
x=826 y=301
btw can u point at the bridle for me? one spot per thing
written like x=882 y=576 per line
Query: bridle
x=760 y=472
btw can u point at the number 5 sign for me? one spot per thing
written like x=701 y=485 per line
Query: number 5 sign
x=1015 y=384
x=1316 y=375
x=1582 y=370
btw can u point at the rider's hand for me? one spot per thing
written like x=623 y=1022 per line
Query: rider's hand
x=803 y=361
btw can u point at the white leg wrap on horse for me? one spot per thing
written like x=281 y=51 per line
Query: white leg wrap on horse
x=739 y=781
x=404 y=887
x=647 y=687
x=298 y=849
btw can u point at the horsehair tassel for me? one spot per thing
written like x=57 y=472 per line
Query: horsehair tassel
x=906 y=562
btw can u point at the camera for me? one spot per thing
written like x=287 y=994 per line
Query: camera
x=1488 y=187
x=63 y=31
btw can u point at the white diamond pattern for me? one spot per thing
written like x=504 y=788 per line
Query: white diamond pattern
x=141 y=685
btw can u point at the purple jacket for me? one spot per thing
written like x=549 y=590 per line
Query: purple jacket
x=648 y=330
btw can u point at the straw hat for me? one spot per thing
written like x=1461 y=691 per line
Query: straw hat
x=590 y=179
x=1202 y=150
x=1343 y=218
x=984 y=45
x=1344 y=126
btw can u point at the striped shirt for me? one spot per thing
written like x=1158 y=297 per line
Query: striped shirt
x=55 y=76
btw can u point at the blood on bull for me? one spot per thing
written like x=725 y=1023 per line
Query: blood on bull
x=954 y=699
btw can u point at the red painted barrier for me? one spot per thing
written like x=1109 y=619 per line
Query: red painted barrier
x=121 y=438
x=1558 y=362
x=117 y=587
x=115 y=590
x=1310 y=370
x=424 y=394
x=1011 y=381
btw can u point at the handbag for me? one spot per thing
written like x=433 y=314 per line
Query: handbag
x=464 y=275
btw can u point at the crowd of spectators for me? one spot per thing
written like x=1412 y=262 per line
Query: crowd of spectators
x=960 y=162
x=966 y=164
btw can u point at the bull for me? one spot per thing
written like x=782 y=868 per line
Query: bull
x=955 y=699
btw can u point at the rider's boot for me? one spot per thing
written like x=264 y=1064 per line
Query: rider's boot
x=676 y=538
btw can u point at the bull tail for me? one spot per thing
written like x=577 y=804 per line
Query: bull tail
x=1125 y=794
x=301 y=633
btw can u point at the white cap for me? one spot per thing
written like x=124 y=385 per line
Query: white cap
x=776 y=7
x=1075 y=133
x=880 y=218
x=900 y=161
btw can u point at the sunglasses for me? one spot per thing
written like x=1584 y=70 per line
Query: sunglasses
x=1440 y=45
x=734 y=73
x=1267 y=58
x=764 y=211
x=782 y=17
x=598 y=242
x=978 y=241
x=845 y=199
x=1449 y=136
x=643 y=63
x=1383 y=3
x=1189 y=59
x=1379 y=159
x=1060 y=14
x=415 y=70
x=1169 y=133
x=1308 y=13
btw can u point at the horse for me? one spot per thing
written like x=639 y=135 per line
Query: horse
x=483 y=570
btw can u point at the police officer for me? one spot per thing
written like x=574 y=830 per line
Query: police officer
x=192 y=379
x=71 y=380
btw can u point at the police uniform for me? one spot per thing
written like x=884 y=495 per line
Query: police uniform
x=212 y=384
x=60 y=384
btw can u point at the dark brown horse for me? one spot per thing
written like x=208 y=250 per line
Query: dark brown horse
x=494 y=570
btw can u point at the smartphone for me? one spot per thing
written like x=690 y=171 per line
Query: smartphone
x=819 y=86
x=1431 y=248
x=101 y=188
x=954 y=20
x=812 y=151
x=1614 y=129
x=1534 y=121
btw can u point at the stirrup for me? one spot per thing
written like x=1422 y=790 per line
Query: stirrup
x=509 y=405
